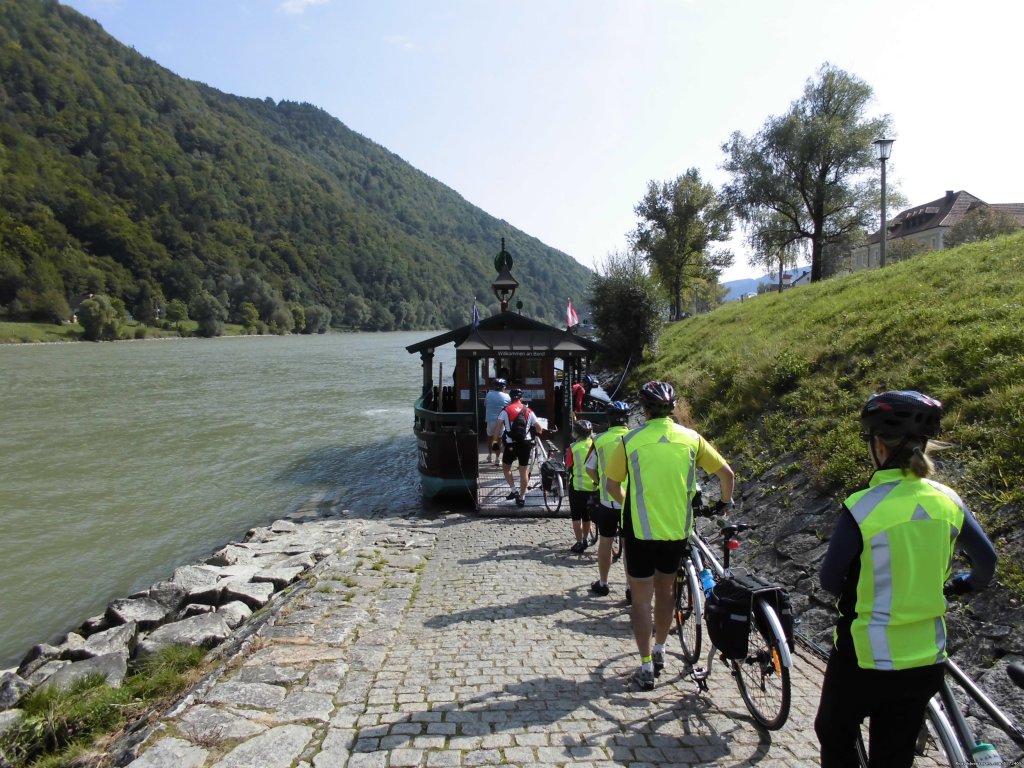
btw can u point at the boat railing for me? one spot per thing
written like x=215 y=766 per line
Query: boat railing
x=443 y=421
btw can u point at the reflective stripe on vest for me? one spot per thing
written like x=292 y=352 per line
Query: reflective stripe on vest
x=909 y=527
x=580 y=479
x=602 y=443
x=661 y=458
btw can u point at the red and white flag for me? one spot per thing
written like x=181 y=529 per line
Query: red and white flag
x=571 y=318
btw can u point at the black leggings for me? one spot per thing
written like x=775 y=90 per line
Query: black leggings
x=894 y=700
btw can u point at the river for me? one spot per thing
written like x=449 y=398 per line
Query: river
x=121 y=461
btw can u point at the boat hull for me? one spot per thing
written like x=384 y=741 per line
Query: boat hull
x=448 y=464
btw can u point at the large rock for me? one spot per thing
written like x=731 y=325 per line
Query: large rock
x=113 y=666
x=12 y=688
x=120 y=639
x=253 y=594
x=205 y=631
x=144 y=611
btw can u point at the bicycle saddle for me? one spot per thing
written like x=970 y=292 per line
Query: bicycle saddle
x=732 y=529
x=1016 y=673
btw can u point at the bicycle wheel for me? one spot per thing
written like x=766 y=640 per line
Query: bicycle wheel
x=688 y=617
x=762 y=678
x=553 y=498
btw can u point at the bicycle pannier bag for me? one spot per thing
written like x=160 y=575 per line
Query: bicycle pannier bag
x=778 y=598
x=727 y=612
x=548 y=471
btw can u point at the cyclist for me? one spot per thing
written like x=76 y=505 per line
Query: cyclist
x=519 y=426
x=608 y=513
x=582 y=488
x=888 y=559
x=581 y=389
x=495 y=400
x=652 y=472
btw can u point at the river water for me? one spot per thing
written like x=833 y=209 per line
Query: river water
x=121 y=461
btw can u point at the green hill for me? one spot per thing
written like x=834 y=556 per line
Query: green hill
x=118 y=177
x=784 y=377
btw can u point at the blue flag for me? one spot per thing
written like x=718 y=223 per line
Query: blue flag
x=476 y=316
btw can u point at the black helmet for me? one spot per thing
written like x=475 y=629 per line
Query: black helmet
x=618 y=412
x=658 y=397
x=589 y=381
x=901 y=413
x=582 y=428
x=516 y=393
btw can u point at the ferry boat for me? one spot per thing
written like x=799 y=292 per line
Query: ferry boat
x=451 y=433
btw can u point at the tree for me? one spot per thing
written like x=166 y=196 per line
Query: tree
x=299 y=318
x=981 y=223
x=807 y=166
x=775 y=242
x=318 y=319
x=679 y=222
x=249 y=316
x=209 y=314
x=177 y=311
x=626 y=307
x=98 y=319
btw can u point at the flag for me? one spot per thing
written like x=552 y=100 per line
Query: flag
x=476 y=316
x=571 y=318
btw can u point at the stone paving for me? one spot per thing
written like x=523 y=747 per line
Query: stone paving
x=462 y=641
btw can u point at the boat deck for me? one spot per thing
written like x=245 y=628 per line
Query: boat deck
x=493 y=488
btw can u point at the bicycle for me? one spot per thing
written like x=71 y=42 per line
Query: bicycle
x=760 y=661
x=552 y=471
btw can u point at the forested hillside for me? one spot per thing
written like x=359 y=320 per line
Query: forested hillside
x=118 y=177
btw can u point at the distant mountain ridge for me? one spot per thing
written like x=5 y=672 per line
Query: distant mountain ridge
x=744 y=286
x=122 y=178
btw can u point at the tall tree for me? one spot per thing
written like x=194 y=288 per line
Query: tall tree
x=625 y=307
x=680 y=220
x=775 y=242
x=808 y=167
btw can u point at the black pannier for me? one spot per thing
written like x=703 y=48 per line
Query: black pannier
x=548 y=471
x=729 y=608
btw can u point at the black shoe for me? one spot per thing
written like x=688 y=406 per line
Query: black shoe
x=644 y=679
x=658 y=657
x=578 y=547
x=520 y=501
x=599 y=589
x=629 y=596
x=511 y=495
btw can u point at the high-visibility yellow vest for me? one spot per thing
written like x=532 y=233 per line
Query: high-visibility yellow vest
x=661 y=462
x=909 y=526
x=580 y=479
x=602 y=444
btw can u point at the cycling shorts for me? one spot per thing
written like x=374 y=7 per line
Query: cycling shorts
x=644 y=557
x=580 y=504
x=607 y=520
x=517 y=452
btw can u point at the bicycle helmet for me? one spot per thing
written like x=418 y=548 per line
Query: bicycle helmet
x=582 y=428
x=500 y=383
x=516 y=393
x=618 y=412
x=901 y=413
x=658 y=397
x=589 y=381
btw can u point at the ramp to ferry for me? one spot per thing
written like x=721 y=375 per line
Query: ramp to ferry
x=461 y=640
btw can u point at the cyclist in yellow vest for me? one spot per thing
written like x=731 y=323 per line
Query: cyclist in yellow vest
x=582 y=489
x=888 y=560
x=653 y=473
x=608 y=514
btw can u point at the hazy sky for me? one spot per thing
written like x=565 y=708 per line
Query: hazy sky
x=555 y=115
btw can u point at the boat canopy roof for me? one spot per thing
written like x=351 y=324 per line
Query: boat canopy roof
x=512 y=332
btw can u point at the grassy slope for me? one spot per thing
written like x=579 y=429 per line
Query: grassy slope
x=788 y=373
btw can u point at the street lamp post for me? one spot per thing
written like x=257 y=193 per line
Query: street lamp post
x=883 y=149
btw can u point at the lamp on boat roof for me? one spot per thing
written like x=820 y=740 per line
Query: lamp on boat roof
x=504 y=286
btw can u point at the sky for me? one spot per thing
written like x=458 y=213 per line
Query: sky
x=555 y=115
